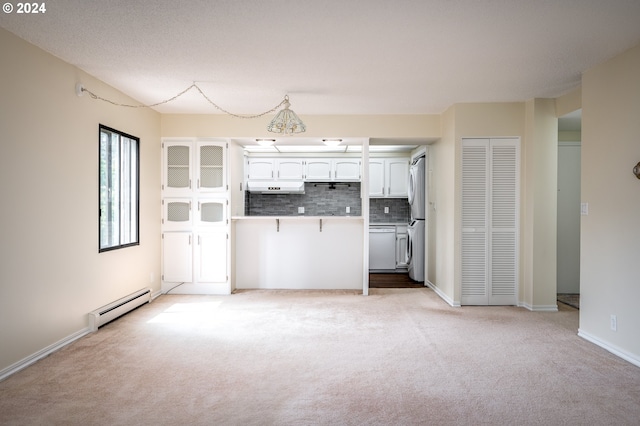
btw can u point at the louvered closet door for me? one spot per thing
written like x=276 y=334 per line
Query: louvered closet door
x=490 y=182
x=475 y=202
x=504 y=222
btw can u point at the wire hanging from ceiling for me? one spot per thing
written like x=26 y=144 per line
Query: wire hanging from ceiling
x=80 y=88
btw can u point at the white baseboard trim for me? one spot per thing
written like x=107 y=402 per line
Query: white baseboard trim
x=538 y=308
x=632 y=358
x=155 y=294
x=31 y=359
x=441 y=294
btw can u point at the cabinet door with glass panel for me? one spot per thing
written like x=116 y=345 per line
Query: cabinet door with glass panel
x=211 y=212
x=211 y=173
x=177 y=170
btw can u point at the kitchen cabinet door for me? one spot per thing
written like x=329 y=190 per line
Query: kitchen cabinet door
x=397 y=177
x=290 y=169
x=176 y=214
x=211 y=256
x=318 y=169
x=211 y=173
x=176 y=168
x=401 y=247
x=177 y=257
x=346 y=169
x=211 y=212
x=376 y=177
x=260 y=169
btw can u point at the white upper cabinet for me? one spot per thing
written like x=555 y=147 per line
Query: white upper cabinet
x=332 y=169
x=389 y=177
x=318 y=169
x=376 y=177
x=185 y=173
x=211 y=161
x=346 y=169
x=308 y=169
x=397 y=172
x=261 y=168
x=290 y=169
x=177 y=168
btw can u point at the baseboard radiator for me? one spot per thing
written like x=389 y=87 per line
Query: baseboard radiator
x=116 y=309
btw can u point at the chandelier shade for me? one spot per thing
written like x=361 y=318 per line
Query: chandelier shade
x=286 y=121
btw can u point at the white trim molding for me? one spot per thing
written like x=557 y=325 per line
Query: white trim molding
x=441 y=294
x=538 y=308
x=33 y=358
x=632 y=358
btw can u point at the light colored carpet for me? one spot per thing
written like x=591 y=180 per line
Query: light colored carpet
x=396 y=357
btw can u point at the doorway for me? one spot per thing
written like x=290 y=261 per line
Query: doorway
x=569 y=206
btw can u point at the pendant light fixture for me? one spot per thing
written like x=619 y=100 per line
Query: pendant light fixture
x=286 y=121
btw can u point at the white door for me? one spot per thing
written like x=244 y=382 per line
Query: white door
x=177 y=257
x=490 y=208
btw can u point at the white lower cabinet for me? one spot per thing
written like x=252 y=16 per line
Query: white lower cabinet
x=401 y=246
x=177 y=256
x=211 y=256
x=195 y=260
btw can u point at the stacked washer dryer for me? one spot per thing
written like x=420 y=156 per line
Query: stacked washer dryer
x=416 y=229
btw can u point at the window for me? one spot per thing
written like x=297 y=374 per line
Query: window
x=119 y=189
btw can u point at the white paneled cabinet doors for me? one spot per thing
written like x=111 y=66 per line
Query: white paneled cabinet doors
x=195 y=217
x=490 y=221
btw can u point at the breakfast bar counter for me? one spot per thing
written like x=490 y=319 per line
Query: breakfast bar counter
x=298 y=252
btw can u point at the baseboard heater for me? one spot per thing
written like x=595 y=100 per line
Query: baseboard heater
x=116 y=309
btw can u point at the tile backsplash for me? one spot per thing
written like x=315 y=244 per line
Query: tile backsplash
x=318 y=200
x=399 y=210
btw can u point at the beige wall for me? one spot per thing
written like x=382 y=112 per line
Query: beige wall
x=610 y=269
x=442 y=224
x=540 y=176
x=345 y=126
x=51 y=273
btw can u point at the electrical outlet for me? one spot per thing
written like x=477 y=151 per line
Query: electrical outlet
x=386 y=209
x=584 y=209
x=301 y=210
x=348 y=209
x=614 y=323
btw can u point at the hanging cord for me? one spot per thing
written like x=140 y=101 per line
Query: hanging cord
x=194 y=85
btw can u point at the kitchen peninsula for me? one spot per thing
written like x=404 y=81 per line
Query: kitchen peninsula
x=299 y=252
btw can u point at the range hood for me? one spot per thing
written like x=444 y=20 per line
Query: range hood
x=266 y=187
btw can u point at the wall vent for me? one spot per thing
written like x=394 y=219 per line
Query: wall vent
x=116 y=309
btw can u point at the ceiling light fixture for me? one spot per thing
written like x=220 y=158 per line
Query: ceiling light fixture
x=265 y=142
x=332 y=142
x=286 y=121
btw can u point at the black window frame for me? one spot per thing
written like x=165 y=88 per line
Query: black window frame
x=133 y=237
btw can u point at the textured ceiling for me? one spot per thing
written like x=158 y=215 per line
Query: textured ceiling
x=330 y=56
